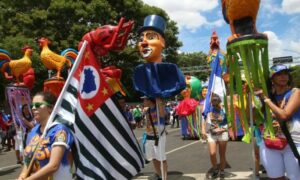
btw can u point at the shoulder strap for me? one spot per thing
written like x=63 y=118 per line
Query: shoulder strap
x=152 y=124
x=287 y=134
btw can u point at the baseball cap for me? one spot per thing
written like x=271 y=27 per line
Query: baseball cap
x=278 y=68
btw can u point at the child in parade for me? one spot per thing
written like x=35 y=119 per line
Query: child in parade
x=284 y=103
x=50 y=159
x=216 y=132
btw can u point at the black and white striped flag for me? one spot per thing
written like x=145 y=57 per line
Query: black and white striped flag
x=106 y=147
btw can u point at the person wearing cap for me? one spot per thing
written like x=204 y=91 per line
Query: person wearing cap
x=284 y=103
x=155 y=144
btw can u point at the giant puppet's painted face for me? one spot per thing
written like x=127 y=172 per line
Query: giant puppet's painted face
x=151 y=45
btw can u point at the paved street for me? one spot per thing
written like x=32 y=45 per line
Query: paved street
x=187 y=160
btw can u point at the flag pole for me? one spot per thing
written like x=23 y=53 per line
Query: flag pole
x=251 y=127
x=58 y=102
x=59 y=99
x=159 y=138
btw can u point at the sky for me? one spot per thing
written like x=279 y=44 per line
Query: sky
x=197 y=19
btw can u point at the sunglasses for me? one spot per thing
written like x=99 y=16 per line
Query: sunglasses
x=38 y=104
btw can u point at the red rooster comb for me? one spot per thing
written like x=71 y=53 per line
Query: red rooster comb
x=26 y=47
x=214 y=34
x=44 y=39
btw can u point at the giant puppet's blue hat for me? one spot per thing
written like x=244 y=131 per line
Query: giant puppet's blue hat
x=155 y=23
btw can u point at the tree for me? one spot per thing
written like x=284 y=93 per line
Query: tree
x=64 y=22
x=295 y=73
x=194 y=59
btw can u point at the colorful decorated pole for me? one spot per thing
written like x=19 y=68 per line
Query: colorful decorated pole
x=54 y=61
x=19 y=100
x=17 y=93
x=156 y=79
x=251 y=48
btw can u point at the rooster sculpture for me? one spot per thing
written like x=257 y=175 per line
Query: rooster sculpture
x=241 y=16
x=15 y=68
x=55 y=61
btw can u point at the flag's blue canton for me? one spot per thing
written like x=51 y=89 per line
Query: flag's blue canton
x=89 y=81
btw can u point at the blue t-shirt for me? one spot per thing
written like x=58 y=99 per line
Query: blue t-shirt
x=294 y=123
x=57 y=135
x=129 y=116
x=216 y=118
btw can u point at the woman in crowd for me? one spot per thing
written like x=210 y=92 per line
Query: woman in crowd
x=284 y=103
x=216 y=131
x=50 y=159
x=28 y=121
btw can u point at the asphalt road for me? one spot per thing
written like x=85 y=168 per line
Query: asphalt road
x=187 y=160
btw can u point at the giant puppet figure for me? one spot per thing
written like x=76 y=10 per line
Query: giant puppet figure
x=251 y=48
x=214 y=49
x=156 y=78
x=189 y=109
x=53 y=61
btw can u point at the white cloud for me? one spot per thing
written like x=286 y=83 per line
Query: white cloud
x=282 y=47
x=291 y=6
x=275 y=45
x=187 y=13
x=269 y=7
x=286 y=7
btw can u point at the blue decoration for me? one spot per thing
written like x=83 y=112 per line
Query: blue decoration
x=89 y=84
x=155 y=23
x=158 y=79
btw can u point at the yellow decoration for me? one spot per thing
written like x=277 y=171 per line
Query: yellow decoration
x=90 y=107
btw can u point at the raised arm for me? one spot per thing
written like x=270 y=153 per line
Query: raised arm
x=291 y=107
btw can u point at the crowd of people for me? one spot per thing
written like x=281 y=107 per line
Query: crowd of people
x=136 y=114
x=51 y=150
x=285 y=106
x=7 y=132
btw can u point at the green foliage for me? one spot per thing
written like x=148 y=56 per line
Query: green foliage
x=64 y=22
x=295 y=73
x=194 y=59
